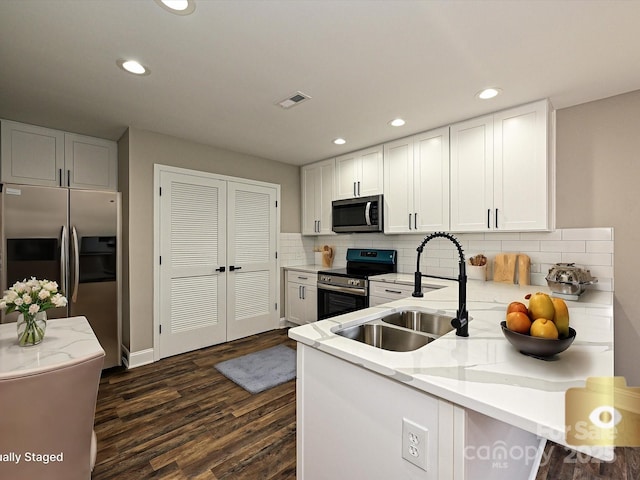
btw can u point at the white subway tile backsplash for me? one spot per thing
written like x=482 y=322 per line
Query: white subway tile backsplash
x=587 y=234
x=520 y=246
x=588 y=259
x=597 y=246
x=591 y=248
x=563 y=246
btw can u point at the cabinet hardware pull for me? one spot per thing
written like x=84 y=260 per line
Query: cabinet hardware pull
x=68 y=178
x=302 y=292
x=393 y=291
x=358 y=188
x=415 y=221
x=303 y=278
x=221 y=269
x=409 y=221
x=354 y=190
x=318 y=226
x=232 y=268
x=488 y=218
x=496 y=218
x=59 y=177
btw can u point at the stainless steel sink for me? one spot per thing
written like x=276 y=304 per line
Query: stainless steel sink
x=386 y=337
x=431 y=323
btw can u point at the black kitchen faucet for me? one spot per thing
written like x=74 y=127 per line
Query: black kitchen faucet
x=461 y=322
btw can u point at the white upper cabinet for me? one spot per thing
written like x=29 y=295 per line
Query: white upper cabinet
x=416 y=183
x=91 y=163
x=359 y=174
x=501 y=171
x=33 y=155
x=317 y=193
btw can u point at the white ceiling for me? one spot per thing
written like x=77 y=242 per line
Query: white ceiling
x=217 y=74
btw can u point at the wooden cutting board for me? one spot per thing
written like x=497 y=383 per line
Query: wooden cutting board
x=524 y=269
x=504 y=267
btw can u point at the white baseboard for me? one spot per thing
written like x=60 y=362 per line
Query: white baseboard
x=136 y=359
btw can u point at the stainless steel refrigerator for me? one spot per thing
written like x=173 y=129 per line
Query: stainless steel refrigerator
x=73 y=237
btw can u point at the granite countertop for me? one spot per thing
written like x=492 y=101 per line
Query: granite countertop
x=66 y=341
x=484 y=372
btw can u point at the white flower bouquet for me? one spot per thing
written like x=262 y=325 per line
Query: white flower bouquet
x=31 y=297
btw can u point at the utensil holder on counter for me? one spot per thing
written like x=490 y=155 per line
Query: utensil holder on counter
x=475 y=272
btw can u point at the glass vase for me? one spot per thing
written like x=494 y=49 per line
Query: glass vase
x=31 y=328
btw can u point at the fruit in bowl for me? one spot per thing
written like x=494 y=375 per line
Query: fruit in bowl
x=541 y=329
x=538 y=346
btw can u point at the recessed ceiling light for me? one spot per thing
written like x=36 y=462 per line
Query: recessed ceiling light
x=339 y=141
x=179 y=7
x=397 y=122
x=488 y=93
x=133 y=66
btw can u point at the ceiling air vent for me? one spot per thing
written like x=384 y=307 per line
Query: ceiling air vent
x=295 y=99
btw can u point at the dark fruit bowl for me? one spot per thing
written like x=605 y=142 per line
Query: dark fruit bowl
x=535 y=346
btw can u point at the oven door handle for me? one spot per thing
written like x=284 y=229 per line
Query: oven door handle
x=354 y=291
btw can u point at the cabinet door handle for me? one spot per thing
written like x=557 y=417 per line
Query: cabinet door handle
x=59 y=177
x=358 y=188
x=496 y=218
x=488 y=218
x=303 y=278
x=393 y=291
x=221 y=269
x=409 y=221
x=318 y=226
x=415 y=221
x=68 y=178
x=354 y=190
x=232 y=268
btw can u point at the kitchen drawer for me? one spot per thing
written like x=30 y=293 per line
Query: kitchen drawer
x=390 y=291
x=303 y=278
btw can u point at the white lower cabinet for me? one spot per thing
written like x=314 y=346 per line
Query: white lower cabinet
x=384 y=292
x=301 y=297
x=350 y=425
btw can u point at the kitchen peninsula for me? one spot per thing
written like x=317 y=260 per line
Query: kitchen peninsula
x=486 y=410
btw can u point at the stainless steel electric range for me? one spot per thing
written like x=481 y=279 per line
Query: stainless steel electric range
x=345 y=290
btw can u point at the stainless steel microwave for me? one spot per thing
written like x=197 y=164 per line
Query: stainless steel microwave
x=361 y=214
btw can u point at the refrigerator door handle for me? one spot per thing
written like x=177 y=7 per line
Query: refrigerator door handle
x=76 y=264
x=64 y=248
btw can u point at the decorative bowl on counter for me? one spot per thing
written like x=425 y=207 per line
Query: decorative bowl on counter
x=536 y=346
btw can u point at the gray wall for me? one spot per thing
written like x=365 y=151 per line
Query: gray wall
x=136 y=176
x=598 y=169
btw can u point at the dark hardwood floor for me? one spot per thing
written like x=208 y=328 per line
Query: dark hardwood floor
x=179 y=418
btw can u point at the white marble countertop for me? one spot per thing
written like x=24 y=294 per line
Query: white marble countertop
x=484 y=372
x=67 y=340
x=307 y=268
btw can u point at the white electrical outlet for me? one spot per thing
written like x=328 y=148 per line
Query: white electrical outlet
x=414 y=443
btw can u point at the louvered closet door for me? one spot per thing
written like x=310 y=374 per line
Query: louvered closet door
x=192 y=246
x=251 y=306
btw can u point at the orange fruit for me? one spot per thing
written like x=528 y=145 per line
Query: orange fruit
x=518 y=322
x=544 y=328
x=517 y=307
